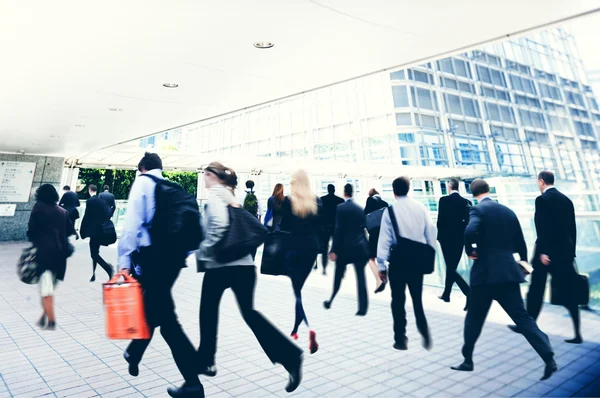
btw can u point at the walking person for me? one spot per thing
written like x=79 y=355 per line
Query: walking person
x=48 y=230
x=96 y=214
x=252 y=205
x=240 y=277
x=158 y=265
x=301 y=218
x=350 y=247
x=274 y=207
x=330 y=204
x=70 y=202
x=414 y=224
x=491 y=238
x=374 y=203
x=554 y=252
x=109 y=199
x=453 y=217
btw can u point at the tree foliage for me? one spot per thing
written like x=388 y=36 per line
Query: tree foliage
x=120 y=181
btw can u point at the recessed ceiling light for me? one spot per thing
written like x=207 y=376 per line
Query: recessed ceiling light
x=170 y=85
x=115 y=109
x=263 y=44
x=80 y=125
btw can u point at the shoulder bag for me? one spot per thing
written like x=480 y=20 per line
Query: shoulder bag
x=408 y=253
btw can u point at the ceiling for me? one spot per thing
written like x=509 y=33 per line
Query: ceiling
x=68 y=62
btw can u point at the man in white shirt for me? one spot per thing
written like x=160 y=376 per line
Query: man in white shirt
x=415 y=224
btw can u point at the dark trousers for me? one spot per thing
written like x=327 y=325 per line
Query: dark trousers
x=324 y=237
x=509 y=297
x=298 y=264
x=96 y=259
x=242 y=281
x=399 y=279
x=157 y=283
x=535 y=295
x=452 y=252
x=361 y=284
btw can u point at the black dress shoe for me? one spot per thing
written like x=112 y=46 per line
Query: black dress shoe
x=185 y=391
x=427 y=343
x=402 y=346
x=133 y=368
x=361 y=313
x=514 y=328
x=208 y=370
x=381 y=288
x=93 y=278
x=444 y=298
x=464 y=367
x=550 y=368
x=327 y=304
x=42 y=322
x=295 y=373
x=576 y=340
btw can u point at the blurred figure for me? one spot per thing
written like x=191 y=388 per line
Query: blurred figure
x=375 y=202
x=96 y=214
x=240 y=276
x=252 y=205
x=554 y=252
x=275 y=205
x=414 y=224
x=301 y=213
x=70 y=202
x=491 y=238
x=350 y=247
x=109 y=199
x=453 y=217
x=160 y=265
x=330 y=204
x=48 y=230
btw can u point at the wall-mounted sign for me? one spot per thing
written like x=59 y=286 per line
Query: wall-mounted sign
x=7 y=210
x=16 y=179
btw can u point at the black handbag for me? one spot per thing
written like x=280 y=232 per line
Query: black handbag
x=571 y=289
x=408 y=253
x=273 y=258
x=373 y=219
x=244 y=234
x=108 y=234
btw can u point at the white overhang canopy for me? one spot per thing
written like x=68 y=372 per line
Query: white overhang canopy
x=78 y=76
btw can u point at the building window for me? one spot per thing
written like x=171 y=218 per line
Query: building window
x=518 y=67
x=495 y=93
x=499 y=113
x=506 y=133
x=403 y=119
x=398 y=75
x=552 y=107
x=470 y=153
x=574 y=98
x=523 y=100
x=419 y=76
x=423 y=98
x=559 y=125
x=510 y=157
x=579 y=113
x=550 y=91
x=466 y=128
x=461 y=105
x=522 y=84
x=455 y=66
x=491 y=76
x=532 y=119
x=400 y=94
x=458 y=85
x=584 y=129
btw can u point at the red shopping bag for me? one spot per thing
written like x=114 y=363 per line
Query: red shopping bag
x=124 y=309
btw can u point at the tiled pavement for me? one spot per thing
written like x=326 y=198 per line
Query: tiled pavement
x=356 y=357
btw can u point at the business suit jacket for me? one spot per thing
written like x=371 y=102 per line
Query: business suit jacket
x=70 y=202
x=498 y=235
x=330 y=204
x=555 y=227
x=453 y=217
x=96 y=214
x=375 y=203
x=349 y=239
x=109 y=199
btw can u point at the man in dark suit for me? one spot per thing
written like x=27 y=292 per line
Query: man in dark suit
x=554 y=251
x=350 y=247
x=491 y=239
x=109 y=199
x=453 y=217
x=70 y=202
x=330 y=204
x=96 y=214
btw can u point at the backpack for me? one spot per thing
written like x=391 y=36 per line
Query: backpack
x=251 y=203
x=176 y=223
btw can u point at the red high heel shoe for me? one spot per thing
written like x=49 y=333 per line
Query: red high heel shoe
x=313 y=346
x=294 y=336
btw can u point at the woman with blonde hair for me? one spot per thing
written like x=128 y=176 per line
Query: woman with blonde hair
x=239 y=276
x=300 y=217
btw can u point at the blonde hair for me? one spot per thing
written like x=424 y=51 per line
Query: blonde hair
x=304 y=202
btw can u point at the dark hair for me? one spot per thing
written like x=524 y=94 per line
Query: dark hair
x=331 y=188
x=66 y=188
x=348 y=190
x=46 y=193
x=373 y=192
x=547 y=176
x=150 y=161
x=225 y=174
x=93 y=188
x=106 y=188
x=250 y=184
x=278 y=194
x=401 y=186
x=479 y=187
x=453 y=184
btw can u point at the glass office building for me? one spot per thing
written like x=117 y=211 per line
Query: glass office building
x=508 y=110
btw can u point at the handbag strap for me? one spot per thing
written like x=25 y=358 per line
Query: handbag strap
x=394 y=222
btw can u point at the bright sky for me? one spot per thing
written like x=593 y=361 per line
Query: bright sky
x=587 y=31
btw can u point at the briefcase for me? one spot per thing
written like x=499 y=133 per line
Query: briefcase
x=273 y=258
x=108 y=234
x=574 y=290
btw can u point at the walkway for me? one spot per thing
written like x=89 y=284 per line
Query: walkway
x=356 y=357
